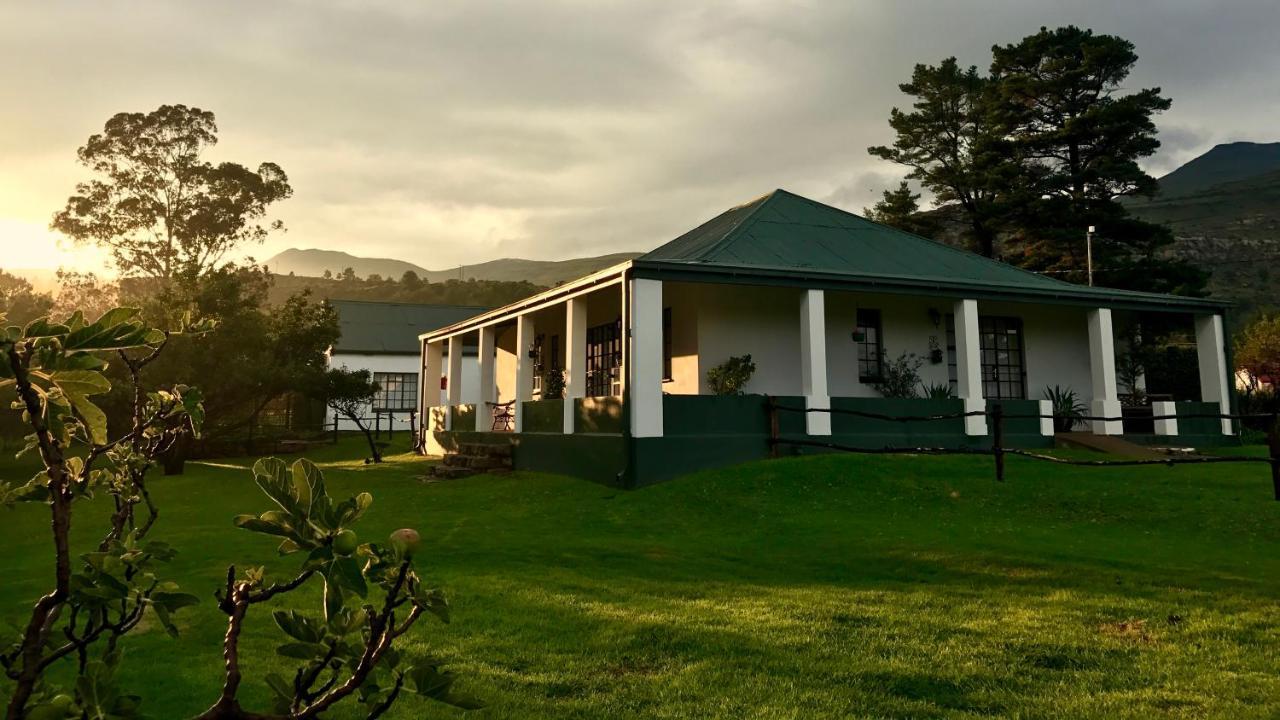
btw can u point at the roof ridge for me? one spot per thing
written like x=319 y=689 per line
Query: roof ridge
x=402 y=302
x=939 y=243
x=762 y=200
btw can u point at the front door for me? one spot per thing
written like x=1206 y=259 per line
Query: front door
x=1004 y=375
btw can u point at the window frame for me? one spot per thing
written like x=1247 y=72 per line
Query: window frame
x=1008 y=377
x=404 y=389
x=870 y=351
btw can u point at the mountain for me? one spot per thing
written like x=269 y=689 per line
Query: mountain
x=1224 y=210
x=1226 y=163
x=313 y=263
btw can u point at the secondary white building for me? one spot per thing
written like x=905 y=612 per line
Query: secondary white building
x=821 y=300
x=381 y=337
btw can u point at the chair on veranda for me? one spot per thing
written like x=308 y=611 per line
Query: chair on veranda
x=504 y=416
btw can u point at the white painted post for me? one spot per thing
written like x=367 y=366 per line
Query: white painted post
x=645 y=358
x=1211 y=351
x=813 y=361
x=575 y=358
x=1102 y=367
x=1046 y=418
x=524 y=368
x=969 y=365
x=487 y=387
x=453 y=379
x=1165 y=427
x=432 y=369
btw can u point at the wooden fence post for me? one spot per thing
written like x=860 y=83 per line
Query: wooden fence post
x=1273 y=444
x=772 y=405
x=997 y=439
x=335 y=427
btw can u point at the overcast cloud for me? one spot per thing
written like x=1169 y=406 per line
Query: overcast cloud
x=445 y=133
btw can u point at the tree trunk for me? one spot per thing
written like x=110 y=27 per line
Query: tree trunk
x=174 y=461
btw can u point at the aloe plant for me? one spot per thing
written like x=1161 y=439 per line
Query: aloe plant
x=1067 y=408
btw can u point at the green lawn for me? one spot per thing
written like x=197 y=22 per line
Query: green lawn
x=821 y=587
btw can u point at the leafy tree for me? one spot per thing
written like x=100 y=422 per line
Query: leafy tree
x=410 y=280
x=160 y=208
x=952 y=144
x=731 y=376
x=84 y=292
x=20 y=301
x=348 y=275
x=349 y=392
x=55 y=369
x=347 y=651
x=1258 y=348
x=900 y=208
x=255 y=357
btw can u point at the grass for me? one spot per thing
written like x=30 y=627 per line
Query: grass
x=818 y=587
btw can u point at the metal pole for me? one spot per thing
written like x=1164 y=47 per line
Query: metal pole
x=1088 y=241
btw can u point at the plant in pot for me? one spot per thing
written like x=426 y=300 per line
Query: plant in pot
x=731 y=376
x=1067 y=408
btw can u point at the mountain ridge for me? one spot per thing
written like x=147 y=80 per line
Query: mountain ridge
x=312 y=262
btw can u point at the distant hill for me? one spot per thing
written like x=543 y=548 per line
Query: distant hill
x=1224 y=210
x=1226 y=163
x=313 y=263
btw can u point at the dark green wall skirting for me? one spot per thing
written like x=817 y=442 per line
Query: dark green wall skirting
x=598 y=415
x=542 y=416
x=463 y=418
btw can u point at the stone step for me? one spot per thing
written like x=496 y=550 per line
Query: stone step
x=486 y=449
x=477 y=462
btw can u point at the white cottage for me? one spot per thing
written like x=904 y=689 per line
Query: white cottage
x=820 y=299
x=380 y=337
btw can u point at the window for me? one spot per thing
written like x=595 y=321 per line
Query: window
x=870 y=346
x=666 y=345
x=1003 y=371
x=396 y=391
x=604 y=357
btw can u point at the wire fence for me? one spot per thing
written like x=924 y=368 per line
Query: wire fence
x=997 y=418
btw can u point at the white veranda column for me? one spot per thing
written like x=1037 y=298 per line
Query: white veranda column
x=969 y=365
x=645 y=360
x=485 y=362
x=453 y=378
x=432 y=369
x=813 y=361
x=1165 y=408
x=1211 y=351
x=524 y=367
x=575 y=357
x=1102 y=367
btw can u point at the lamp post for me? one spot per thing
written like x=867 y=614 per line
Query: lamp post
x=1088 y=249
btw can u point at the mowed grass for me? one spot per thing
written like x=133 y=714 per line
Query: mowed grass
x=817 y=587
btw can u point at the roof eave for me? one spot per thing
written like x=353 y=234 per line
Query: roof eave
x=817 y=279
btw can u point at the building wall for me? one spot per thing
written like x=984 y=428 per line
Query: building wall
x=399 y=364
x=765 y=322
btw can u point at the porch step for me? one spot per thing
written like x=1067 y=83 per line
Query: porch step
x=474 y=459
x=1110 y=444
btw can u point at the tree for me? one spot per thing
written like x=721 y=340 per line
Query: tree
x=952 y=145
x=84 y=292
x=157 y=205
x=349 y=392
x=348 y=275
x=900 y=208
x=1258 y=349
x=20 y=301
x=411 y=281
x=348 y=651
x=1077 y=142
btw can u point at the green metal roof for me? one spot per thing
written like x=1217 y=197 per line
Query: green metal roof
x=795 y=240
x=387 y=328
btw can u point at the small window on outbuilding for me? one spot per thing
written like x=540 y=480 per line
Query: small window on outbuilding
x=870 y=341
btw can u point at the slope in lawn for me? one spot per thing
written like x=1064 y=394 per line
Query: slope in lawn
x=824 y=587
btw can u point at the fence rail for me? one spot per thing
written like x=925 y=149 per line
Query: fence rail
x=997 y=416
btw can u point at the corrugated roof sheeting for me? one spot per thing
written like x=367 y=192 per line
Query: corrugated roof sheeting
x=392 y=328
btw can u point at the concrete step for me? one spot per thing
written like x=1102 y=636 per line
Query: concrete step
x=477 y=462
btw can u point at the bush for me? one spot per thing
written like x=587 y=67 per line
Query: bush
x=729 y=377
x=938 y=391
x=901 y=377
x=553 y=384
x=1067 y=408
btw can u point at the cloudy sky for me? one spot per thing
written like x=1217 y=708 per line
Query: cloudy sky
x=445 y=133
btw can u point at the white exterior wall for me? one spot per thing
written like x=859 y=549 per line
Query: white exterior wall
x=763 y=321
x=401 y=364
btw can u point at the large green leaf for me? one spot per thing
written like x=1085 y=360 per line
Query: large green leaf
x=430 y=681
x=80 y=382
